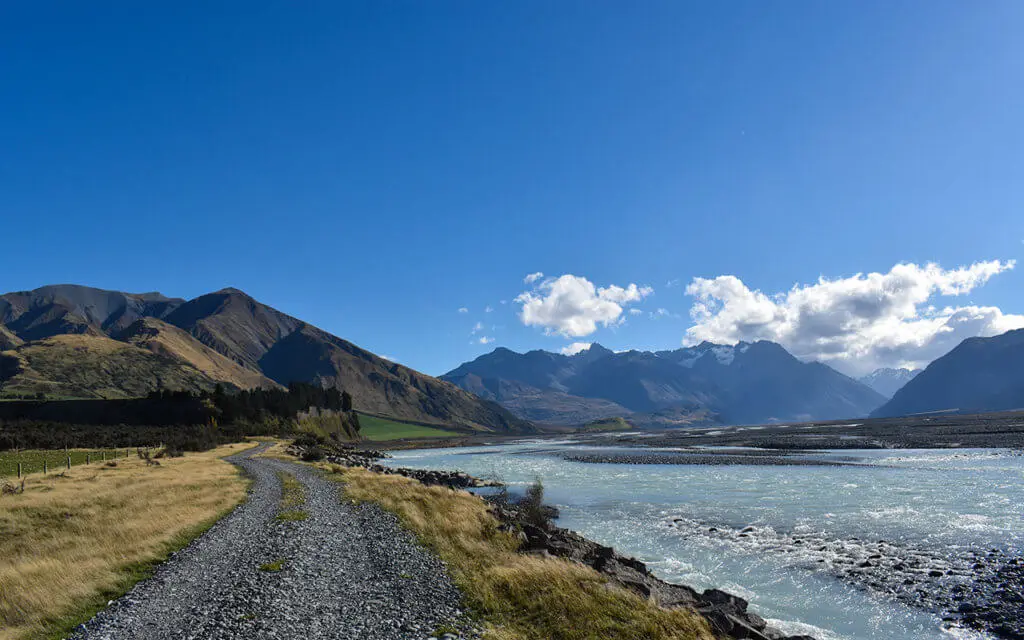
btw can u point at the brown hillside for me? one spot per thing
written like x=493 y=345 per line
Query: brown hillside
x=380 y=386
x=226 y=336
x=8 y=340
x=86 y=366
x=170 y=341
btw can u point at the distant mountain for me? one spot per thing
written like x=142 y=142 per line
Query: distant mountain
x=980 y=374
x=756 y=382
x=77 y=341
x=762 y=382
x=888 y=381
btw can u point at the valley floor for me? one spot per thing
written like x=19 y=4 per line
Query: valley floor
x=988 y=430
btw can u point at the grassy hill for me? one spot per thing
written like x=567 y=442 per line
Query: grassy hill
x=87 y=366
x=170 y=341
x=133 y=343
x=381 y=429
x=608 y=424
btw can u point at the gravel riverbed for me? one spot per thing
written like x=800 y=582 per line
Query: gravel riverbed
x=348 y=572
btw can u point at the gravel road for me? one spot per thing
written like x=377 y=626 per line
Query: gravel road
x=349 y=572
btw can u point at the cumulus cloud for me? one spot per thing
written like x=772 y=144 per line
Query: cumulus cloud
x=477 y=328
x=463 y=310
x=635 y=312
x=488 y=309
x=857 y=323
x=573 y=307
x=485 y=340
x=574 y=348
x=533 y=277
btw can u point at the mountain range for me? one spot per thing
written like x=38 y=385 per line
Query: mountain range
x=980 y=374
x=887 y=381
x=81 y=342
x=745 y=383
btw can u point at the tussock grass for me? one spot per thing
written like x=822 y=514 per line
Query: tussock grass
x=274 y=566
x=293 y=497
x=72 y=542
x=520 y=596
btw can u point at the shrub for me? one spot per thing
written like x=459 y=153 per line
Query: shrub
x=306 y=439
x=313 y=454
x=531 y=507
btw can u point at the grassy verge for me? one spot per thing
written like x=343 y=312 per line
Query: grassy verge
x=519 y=596
x=293 y=497
x=56 y=459
x=380 y=429
x=72 y=542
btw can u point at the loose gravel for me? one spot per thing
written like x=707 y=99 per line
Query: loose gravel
x=348 y=572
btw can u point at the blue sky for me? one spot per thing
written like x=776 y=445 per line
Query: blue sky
x=374 y=167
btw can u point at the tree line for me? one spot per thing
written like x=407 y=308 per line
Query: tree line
x=188 y=421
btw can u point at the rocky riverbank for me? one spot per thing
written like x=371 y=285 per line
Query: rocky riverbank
x=368 y=459
x=758 y=458
x=980 y=589
x=727 y=614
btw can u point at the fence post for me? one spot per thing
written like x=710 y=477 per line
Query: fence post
x=19 y=470
x=103 y=456
x=69 y=463
x=44 y=466
x=88 y=458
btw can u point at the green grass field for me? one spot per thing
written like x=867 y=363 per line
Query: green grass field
x=374 y=428
x=56 y=460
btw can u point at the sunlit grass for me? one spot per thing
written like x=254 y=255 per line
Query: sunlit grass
x=71 y=542
x=374 y=428
x=519 y=596
x=56 y=459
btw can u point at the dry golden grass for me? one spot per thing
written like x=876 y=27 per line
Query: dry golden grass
x=520 y=596
x=68 y=544
x=293 y=498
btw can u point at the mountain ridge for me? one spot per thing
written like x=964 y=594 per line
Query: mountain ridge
x=888 y=380
x=224 y=336
x=978 y=375
x=746 y=382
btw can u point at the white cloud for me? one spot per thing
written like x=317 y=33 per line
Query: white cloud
x=574 y=348
x=533 y=277
x=463 y=310
x=573 y=307
x=479 y=326
x=857 y=323
x=635 y=312
x=488 y=309
x=389 y=358
x=632 y=293
x=485 y=340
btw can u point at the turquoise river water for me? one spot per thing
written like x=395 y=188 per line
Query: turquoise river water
x=775 y=535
